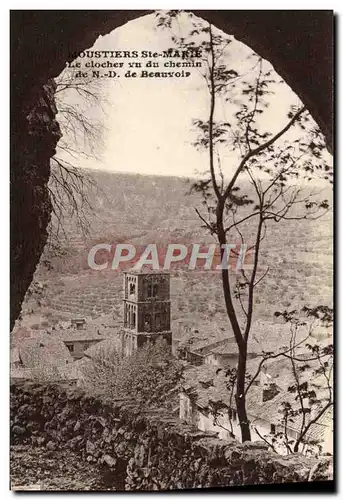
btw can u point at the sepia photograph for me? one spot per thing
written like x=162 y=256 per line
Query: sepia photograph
x=172 y=250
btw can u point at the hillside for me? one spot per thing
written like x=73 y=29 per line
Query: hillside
x=149 y=209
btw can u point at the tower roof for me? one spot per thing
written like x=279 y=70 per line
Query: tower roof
x=146 y=270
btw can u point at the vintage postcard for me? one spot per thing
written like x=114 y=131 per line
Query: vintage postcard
x=171 y=250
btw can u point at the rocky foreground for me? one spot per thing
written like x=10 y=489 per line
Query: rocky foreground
x=64 y=439
x=52 y=470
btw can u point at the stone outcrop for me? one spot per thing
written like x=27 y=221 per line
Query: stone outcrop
x=34 y=140
x=134 y=450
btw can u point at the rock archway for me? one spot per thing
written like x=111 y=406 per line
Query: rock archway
x=297 y=43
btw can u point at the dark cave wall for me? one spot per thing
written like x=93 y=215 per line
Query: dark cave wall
x=40 y=44
x=34 y=138
x=297 y=43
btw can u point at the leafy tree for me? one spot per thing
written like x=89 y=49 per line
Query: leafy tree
x=253 y=170
x=149 y=377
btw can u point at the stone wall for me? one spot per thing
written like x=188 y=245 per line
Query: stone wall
x=135 y=450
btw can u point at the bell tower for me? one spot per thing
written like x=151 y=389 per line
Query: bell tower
x=146 y=308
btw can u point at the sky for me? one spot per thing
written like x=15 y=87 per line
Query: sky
x=148 y=121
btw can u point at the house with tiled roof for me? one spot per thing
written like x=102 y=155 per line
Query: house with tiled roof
x=218 y=346
x=79 y=336
x=43 y=348
x=221 y=351
x=43 y=356
x=207 y=402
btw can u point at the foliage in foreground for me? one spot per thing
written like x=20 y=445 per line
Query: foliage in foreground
x=149 y=377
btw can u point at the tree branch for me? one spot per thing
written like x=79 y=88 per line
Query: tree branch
x=261 y=148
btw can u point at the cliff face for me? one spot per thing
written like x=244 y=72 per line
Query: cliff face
x=33 y=141
x=132 y=450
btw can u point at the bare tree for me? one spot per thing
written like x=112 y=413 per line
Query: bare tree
x=311 y=366
x=309 y=394
x=269 y=162
x=81 y=111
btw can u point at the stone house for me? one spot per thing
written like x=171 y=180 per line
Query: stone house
x=43 y=356
x=218 y=346
x=79 y=336
x=222 y=352
x=206 y=402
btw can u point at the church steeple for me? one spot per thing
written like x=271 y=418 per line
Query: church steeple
x=146 y=308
